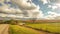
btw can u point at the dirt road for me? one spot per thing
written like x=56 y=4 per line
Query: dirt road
x=4 y=28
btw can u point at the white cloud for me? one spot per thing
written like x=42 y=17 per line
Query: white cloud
x=52 y=15
x=53 y=7
x=6 y=11
x=35 y=13
x=40 y=15
x=54 y=4
x=23 y=4
x=32 y=10
x=57 y=4
x=10 y=11
x=14 y=16
x=49 y=6
x=2 y=15
x=58 y=17
x=11 y=15
x=45 y=1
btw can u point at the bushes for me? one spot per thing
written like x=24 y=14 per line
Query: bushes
x=12 y=21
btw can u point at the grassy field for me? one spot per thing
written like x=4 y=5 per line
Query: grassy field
x=15 y=29
x=48 y=27
x=51 y=27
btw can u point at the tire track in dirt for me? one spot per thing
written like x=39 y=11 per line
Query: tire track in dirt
x=4 y=29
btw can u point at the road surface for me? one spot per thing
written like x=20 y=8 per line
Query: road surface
x=4 y=28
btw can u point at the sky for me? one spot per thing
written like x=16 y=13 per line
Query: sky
x=40 y=9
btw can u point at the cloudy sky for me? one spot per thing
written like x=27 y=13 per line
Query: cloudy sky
x=41 y=9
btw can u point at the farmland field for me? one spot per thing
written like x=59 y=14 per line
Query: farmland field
x=51 y=27
x=15 y=29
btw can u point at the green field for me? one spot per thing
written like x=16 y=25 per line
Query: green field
x=15 y=29
x=51 y=27
x=46 y=27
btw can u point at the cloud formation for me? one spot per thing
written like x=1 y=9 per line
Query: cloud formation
x=53 y=7
x=53 y=4
x=10 y=11
x=52 y=15
x=45 y=1
x=24 y=4
x=26 y=8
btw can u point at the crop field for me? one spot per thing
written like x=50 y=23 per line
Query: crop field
x=15 y=29
x=51 y=27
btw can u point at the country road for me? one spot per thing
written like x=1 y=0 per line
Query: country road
x=4 y=28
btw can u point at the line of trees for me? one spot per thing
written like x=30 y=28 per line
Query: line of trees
x=10 y=21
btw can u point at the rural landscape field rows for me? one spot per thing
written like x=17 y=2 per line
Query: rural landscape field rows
x=24 y=30
x=48 y=27
x=41 y=28
x=15 y=29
